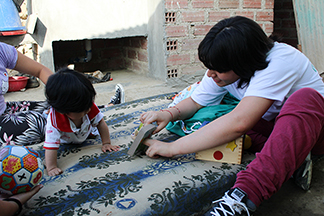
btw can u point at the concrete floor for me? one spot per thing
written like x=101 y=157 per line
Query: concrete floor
x=135 y=86
x=290 y=200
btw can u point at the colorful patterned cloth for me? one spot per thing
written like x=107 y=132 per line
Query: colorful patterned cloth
x=97 y=183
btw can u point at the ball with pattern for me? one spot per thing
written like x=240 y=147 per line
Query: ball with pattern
x=21 y=169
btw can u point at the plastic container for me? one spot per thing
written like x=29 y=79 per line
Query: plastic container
x=10 y=23
x=16 y=83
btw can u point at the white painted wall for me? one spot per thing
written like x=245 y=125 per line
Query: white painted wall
x=94 y=19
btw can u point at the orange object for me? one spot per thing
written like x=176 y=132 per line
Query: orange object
x=17 y=83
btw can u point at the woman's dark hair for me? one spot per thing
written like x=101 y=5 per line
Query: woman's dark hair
x=238 y=44
x=69 y=91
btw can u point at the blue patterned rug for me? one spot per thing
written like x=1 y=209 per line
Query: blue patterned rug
x=97 y=183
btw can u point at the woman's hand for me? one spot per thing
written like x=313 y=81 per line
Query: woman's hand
x=23 y=197
x=161 y=118
x=9 y=207
x=158 y=148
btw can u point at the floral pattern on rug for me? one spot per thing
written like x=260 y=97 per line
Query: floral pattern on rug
x=97 y=183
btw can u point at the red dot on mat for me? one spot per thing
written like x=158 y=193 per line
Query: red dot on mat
x=218 y=155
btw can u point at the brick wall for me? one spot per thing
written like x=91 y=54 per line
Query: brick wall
x=135 y=54
x=284 y=22
x=107 y=54
x=187 y=21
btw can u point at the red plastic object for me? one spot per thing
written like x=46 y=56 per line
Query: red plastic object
x=17 y=83
x=13 y=33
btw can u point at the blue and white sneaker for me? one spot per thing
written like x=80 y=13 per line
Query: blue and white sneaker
x=119 y=96
x=233 y=203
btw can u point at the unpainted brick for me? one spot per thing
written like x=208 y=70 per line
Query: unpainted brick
x=191 y=44
x=144 y=43
x=202 y=4
x=268 y=28
x=269 y=4
x=142 y=56
x=252 y=3
x=131 y=54
x=176 y=4
x=215 y=16
x=193 y=69
x=229 y=3
x=193 y=16
x=136 y=42
x=248 y=14
x=178 y=59
x=176 y=31
x=264 y=16
x=202 y=29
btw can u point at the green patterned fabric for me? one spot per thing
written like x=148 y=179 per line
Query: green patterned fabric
x=97 y=183
x=203 y=115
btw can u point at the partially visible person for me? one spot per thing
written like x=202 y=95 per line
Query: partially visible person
x=73 y=115
x=22 y=122
x=280 y=107
x=12 y=205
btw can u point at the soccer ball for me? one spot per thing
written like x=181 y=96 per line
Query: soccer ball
x=21 y=169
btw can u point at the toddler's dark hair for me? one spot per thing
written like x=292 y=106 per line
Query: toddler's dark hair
x=69 y=91
x=236 y=43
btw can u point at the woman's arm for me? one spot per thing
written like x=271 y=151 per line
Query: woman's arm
x=220 y=131
x=27 y=65
x=9 y=206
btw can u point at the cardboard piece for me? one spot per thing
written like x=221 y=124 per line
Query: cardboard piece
x=137 y=147
x=228 y=153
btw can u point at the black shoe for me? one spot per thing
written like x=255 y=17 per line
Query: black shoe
x=303 y=175
x=233 y=203
x=119 y=96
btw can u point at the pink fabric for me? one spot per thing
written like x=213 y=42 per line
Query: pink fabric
x=297 y=131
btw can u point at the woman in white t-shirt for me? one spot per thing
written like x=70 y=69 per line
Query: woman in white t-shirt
x=281 y=108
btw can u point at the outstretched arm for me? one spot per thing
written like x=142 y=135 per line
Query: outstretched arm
x=27 y=65
x=220 y=131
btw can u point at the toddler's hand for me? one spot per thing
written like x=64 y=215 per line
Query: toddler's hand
x=108 y=147
x=54 y=171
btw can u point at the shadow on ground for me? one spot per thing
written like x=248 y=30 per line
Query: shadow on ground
x=293 y=201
